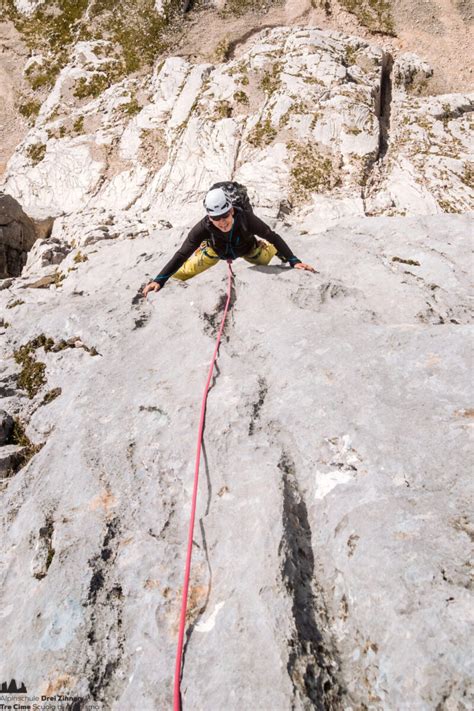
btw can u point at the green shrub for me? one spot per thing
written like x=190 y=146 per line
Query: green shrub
x=468 y=175
x=92 y=87
x=44 y=77
x=350 y=56
x=238 y=7
x=20 y=438
x=50 y=29
x=311 y=171
x=79 y=257
x=32 y=374
x=30 y=108
x=241 y=97
x=223 y=110
x=58 y=278
x=78 y=125
x=376 y=15
x=36 y=152
x=134 y=28
x=449 y=207
x=132 y=108
x=51 y=395
x=262 y=134
x=221 y=52
x=270 y=80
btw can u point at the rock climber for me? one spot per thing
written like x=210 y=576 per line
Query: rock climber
x=226 y=232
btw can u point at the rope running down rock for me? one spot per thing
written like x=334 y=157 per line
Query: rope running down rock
x=184 y=601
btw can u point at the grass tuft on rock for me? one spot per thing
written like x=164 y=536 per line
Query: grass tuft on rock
x=262 y=134
x=79 y=257
x=222 y=50
x=132 y=108
x=222 y=110
x=78 y=125
x=29 y=109
x=468 y=175
x=91 y=87
x=51 y=395
x=32 y=374
x=36 y=152
x=241 y=97
x=21 y=439
x=271 y=80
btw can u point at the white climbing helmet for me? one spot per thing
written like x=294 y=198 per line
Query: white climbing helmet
x=216 y=202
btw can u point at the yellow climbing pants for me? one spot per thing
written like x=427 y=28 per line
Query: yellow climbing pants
x=204 y=257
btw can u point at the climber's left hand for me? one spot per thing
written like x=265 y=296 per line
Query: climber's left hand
x=307 y=267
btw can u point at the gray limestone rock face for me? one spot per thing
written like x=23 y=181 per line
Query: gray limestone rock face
x=17 y=236
x=331 y=549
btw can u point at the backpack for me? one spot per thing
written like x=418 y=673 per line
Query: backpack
x=237 y=194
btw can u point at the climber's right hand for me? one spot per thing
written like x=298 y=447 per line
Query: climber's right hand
x=152 y=286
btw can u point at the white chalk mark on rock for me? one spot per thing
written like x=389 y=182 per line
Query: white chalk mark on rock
x=208 y=625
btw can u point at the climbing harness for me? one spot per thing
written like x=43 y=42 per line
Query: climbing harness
x=184 y=601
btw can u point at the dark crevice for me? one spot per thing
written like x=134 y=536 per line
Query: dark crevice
x=383 y=107
x=448 y=113
x=384 y=104
x=105 y=635
x=45 y=541
x=258 y=404
x=326 y=5
x=213 y=319
x=96 y=563
x=17 y=436
x=313 y=662
x=141 y=321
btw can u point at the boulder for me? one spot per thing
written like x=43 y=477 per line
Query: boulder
x=17 y=236
x=10 y=458
x=409 y=70
x=18 y=233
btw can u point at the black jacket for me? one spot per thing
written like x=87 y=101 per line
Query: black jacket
x=227 y=245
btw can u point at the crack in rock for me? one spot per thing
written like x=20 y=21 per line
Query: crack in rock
x=383 y=105
x=44 y=553
x=258 y=404
x=214 y=318
x=313 y=661
x=105 y=636
x=141 y=321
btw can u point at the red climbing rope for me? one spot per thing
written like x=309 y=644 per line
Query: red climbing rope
x=184 y=602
